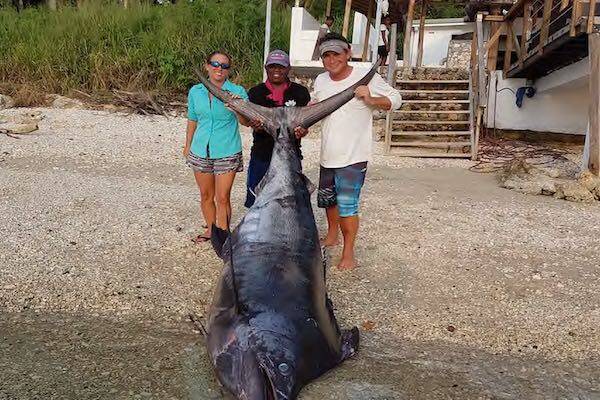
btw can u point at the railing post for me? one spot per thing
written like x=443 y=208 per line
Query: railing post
x=545 y=23
x=480 y=59
x=591 y=15
x=526 y=31
x=594 y=110
x=575 y=14
x=509 y=48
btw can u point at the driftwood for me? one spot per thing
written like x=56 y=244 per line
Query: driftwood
x=144 y=103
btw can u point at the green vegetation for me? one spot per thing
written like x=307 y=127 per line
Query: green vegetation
x=102 y=46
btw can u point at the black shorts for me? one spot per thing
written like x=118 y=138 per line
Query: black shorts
x=383 y=52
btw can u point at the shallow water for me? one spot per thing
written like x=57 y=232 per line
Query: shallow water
x=57 y=356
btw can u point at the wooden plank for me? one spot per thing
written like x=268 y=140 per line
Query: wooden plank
x=545 y=22
x=474 y=78
x=494 y=18
x=508 y=44
x=408 y=33
x=594 y=110
x=368 y=31
x=564 y=4
x=575 y=14
x=412 y=91
x=427 y=154
x=431 y=133
x=526 y=31
x=441 y=101
x=492 y=47
x=495 y=37
x=480 y=59
x=515 y=11
x=346 y=24
x=456 y=81
x=328 y=10
x=391 y=73
x=432 y=111
x=517 y=45
x=432 y=144
x=409 y=122
x=421 y=32
x=591 y=14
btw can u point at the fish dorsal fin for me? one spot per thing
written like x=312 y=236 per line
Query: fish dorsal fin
x=218 y=237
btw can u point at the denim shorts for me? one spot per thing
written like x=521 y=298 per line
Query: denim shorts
x=216 y=166
x=341 y=187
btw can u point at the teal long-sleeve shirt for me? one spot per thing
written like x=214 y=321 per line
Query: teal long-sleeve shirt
x=217 y=134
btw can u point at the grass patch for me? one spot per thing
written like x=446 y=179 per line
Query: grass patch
x=101 y=46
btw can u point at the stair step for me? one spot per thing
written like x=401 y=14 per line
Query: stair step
x=407 y=122
x=404 y=153
x=441 y=101
x=412 y=91
x=432 y=145
x=431 y=133
x=432 y=112
x=458 y=81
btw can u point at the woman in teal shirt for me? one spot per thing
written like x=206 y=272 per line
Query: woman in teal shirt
x=213 y=146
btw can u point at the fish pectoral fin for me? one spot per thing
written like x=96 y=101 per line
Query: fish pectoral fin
x=218 y=237
x=309 y=185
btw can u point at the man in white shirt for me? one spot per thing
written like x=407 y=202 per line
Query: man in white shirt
x=346 y=141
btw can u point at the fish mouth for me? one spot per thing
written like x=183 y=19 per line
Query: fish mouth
x=269 y=393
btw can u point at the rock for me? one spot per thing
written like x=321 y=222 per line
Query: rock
x=6 y=101
x=531 y=184
x=590 y=181
x=65 y=102
x=20 y=129
x=573 y=191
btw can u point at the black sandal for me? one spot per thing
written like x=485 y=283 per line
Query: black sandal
x=201 y=238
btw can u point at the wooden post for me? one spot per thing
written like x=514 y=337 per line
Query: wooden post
x=391 y=74
x=575 y=14
x=594 y=110
x=408 y=33
x=346 y=18
x=368 y=31
x=525 y=31
x=480 y=59
x=474 y=69
x=545 y=23
x=328 y=11
x=492 y=59
x=591 y=15
x=509 y=47
x=421 y=32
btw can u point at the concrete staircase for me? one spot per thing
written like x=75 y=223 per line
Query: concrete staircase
x=435 y=119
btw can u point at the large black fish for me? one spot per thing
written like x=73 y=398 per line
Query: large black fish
x=271 y=327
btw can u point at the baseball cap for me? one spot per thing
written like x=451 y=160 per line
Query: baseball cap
x=279 y=57
x=337 y=46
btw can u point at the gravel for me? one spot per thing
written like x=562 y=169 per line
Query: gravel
x=98 y=210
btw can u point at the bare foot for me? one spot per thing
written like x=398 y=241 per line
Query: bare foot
x=330 y=241
x=346 y=264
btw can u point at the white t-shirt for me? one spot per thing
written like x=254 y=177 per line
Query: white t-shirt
x=346 y=134
x=383 y=29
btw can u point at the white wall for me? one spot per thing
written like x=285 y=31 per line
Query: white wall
x=437 y=37
x=559 y=109
x=303 y=35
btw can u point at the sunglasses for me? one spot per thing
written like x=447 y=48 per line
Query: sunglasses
x=217 y=64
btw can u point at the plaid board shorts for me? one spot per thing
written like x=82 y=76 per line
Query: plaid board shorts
x=216 y=166
x=341 y=187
